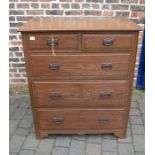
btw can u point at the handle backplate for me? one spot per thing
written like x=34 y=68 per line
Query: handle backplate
x=52 y=42
x=54 y=66
x=58 y=120
x=107 y=42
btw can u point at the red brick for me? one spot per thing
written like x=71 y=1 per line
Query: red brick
x=35 y=12
x=35 y=5
x=18 y=65
x=55 y=5
x=65 y=0
x=45 y=5
x=106 y=6
x=94 y=1
x=16 y=75
x=13 y=0
x=65 y=5
x=24 y=75
x=12 y=70
x=22 y=59
x=74 y=12
x=95 y=6
x=137 y=7
x=129 y=1
x=18 y=80
x=23 y=18
x=19 y=54
x=22 y=69
x=10 y=55
x=92 y=12
x=16 y=12
x=12 y=31
x=10 y=75
x=108 y=13
x=54 y=12
x=134 y=14
x=142 y=1
x=75 y=6
x=22 y=5
x=19 y=24
x=86 y=6
x=11 y=18
x=11 y=5
x=141 y=14
x=29 y=0
x=45 y=0
x=14 y=49
x=122 y=13
x=112 y=1
x=78 y=0
x=12 y=37
x=119 y=7
x=16 y=43
x=13 y=59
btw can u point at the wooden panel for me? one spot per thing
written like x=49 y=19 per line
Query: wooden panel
x=64 y=41
x=80 y=24
x=80 y=94
x=107 y=41
x=81 y=65
x=60 y=119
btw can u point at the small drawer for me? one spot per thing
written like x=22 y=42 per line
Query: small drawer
x=60 y=119
x=105 y=66
x=59 y=41
x=107 y=41
x=80 y=93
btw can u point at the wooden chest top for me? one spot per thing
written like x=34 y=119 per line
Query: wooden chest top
x=79 y=24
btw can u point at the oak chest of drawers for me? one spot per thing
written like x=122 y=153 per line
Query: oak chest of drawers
x=80 y=73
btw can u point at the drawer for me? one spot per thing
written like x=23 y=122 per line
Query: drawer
x=106 y=66
x=81 y=94
x=60 y=119
x=59 y=41
x=107 y=42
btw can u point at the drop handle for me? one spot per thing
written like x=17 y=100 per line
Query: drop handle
x=52 y=42
x=103 y=120
x=105 y=94
x=106 y=65
x=58 y=120
x=54 y=66
x=55 y=95
x=107 y=42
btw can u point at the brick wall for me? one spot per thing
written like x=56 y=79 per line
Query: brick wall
x=23 y=10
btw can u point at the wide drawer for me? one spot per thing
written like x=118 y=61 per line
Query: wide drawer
x=60 y=119
x=58 y=41
x=106 y=66
x=107 y=41
x=81 y=94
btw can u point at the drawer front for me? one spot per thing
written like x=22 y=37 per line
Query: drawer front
x=60 y=119
x=107 y=66
x=107 y=41
x=80 y=94
x=59 y=41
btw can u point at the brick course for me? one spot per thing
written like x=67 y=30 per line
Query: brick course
x=21 y=11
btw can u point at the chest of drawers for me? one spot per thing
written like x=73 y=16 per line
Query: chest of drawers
x=80 y=73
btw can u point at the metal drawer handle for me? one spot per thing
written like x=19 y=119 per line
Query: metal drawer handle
x=52 y=42
x=107 y=42
x=54 y=66
x=103 y=120
x=105 y=94
x=106 y=65
x=58 y=120
x=56 y=95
